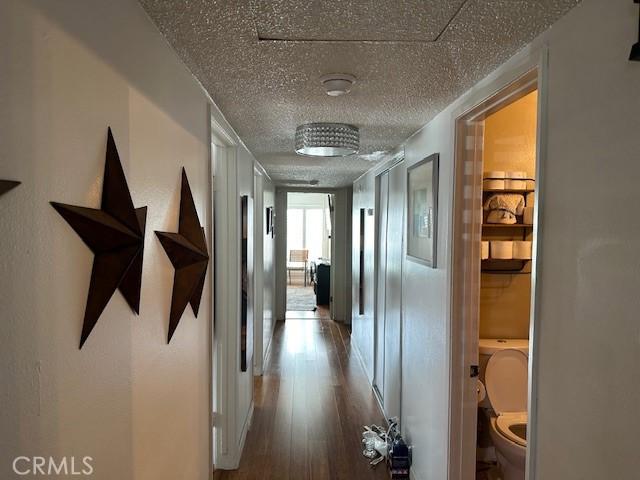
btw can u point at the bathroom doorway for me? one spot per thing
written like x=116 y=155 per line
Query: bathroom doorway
x=495 y=232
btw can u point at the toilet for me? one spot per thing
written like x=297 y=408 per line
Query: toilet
x=506 y=383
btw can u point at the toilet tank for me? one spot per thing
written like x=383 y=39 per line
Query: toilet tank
x=489 y=346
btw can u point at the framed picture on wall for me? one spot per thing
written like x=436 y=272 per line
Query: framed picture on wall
x=267 y=220
x=246 y=319
x=422 y=208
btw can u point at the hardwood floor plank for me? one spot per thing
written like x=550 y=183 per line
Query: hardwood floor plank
x=310 y=407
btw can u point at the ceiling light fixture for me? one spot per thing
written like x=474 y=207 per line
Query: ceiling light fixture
x=327 y=139
x=635 y=50
x=336 y=84
x=301 y=182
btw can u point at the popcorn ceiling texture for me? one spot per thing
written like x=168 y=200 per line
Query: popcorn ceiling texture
x=261 y=60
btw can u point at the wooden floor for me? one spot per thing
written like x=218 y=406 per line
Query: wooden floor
x=310 y=406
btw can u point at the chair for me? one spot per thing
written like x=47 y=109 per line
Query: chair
x=298 y=262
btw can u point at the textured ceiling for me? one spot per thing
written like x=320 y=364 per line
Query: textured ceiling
x=261 y=60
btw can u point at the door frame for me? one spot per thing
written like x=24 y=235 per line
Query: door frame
x=397 y=158
x=465 y=268
x=223 y=335
x=377 y=272
x=282 y=203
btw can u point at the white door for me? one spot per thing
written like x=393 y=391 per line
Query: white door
x=381 y=262
x=388 y=373
x=393 y=292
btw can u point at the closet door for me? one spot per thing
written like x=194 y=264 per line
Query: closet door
x=381 y=262
x=393 y=292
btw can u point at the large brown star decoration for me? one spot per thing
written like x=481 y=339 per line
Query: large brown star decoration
x=115 y=234
x=187 y=251
x=6 y=185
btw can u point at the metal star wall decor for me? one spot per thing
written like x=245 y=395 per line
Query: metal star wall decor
x=187 y=251
x=6 y=185
x=115 y=234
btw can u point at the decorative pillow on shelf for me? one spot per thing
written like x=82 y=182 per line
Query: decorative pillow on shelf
x=504 y=207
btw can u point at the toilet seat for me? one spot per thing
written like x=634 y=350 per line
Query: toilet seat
x=506 y=381
x=505 y=421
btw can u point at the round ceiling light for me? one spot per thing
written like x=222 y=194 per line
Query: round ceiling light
x=336 y=84
x=327 y=139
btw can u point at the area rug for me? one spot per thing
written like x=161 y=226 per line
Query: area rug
x=300 y=299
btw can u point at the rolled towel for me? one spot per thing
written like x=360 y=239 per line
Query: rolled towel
x=493 y=180
x=501 y=250
x=485 y=250
x=522 y=250
x=493 y=184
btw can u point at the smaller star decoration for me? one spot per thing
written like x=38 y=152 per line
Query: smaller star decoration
x=187 y=251
x=115 y=234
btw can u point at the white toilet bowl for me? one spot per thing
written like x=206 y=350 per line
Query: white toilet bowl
x=511 y=448
x=506 y=382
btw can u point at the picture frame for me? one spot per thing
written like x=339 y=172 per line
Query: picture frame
x=267 y=219
x=422 y=211
x=246 y=318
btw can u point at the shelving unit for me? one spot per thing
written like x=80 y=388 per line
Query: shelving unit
x=517 y=231
x=507 y=190
x=504 y=225
x=496 y=266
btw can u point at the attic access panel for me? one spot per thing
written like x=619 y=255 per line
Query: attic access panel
x=337 y=20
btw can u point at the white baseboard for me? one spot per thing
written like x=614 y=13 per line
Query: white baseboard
x=356 y=350
x=245 y=429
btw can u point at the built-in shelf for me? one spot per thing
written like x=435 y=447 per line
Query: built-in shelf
x=504 y=267
x=505 y=225
x=507 y=190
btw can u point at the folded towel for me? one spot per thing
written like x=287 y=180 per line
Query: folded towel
x=503 y=207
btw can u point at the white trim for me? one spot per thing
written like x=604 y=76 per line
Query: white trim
x=501 y=78
x=356 y=350
x=258 y=271
x=536 y=290
x=229 y=439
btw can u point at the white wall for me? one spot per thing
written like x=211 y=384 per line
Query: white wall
x=139 y=407
x=341 y=241
x=362 y=333
x=264 y=275
x=588 y=335
x=269 y=277
x=244 y=398
x=588 y=382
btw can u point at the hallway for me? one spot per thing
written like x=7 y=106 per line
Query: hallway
x=310 y=407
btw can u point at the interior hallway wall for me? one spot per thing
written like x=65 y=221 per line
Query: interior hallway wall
x=138 y=406
x=588 y=385
x=588 y=333
x=264 y=275
x=269 y=277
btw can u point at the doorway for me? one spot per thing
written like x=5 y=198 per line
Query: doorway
x=494 y=264
x=308 y=272
x=387 y=381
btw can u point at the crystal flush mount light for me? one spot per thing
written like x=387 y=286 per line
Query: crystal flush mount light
x=327 y=139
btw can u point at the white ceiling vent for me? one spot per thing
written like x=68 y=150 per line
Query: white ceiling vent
x=336 y=84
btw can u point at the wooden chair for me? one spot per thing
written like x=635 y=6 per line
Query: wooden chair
x=298 y=262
